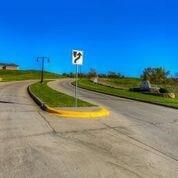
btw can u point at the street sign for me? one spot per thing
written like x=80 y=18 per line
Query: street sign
x=77 y=57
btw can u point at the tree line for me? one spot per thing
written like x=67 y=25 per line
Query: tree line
x=93 y=73
x=156 y=75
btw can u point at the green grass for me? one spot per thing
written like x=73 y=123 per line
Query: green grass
x=54 y=98
x=127 y=83
x=18 y=75
x=121 y=83
x=87 y=84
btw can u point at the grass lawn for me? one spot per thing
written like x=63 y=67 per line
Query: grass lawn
x=122 y=92
x=54 y=98
x=17 y=75
x=121 y=83
x=127 y=83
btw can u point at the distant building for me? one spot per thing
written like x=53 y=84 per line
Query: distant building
x=4 y=66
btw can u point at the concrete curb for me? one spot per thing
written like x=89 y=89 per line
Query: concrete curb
x=100 y=112
x=36 y=99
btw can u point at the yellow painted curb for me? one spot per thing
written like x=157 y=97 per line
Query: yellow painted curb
x=101 y=112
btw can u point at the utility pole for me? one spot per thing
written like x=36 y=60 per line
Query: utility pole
x=42 y=60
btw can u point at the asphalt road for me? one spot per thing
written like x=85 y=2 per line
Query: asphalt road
x=136 y=140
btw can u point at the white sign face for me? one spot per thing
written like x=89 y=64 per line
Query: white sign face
x=77 y=57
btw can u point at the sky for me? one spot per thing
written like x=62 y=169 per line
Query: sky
x=124 y=36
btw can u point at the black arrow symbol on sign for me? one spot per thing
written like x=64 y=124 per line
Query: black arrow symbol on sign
x=78 y=55
x=75 y=53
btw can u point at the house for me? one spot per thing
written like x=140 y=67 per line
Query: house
x=5 y=66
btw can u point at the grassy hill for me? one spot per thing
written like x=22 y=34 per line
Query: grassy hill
x=121 y=82
x=126 y=83
x=122 y=90
x=7 y=75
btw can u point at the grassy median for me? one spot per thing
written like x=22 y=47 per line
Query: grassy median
x=87 y=84
x=54 y=98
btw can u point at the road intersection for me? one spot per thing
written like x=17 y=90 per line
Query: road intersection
x=136 y=140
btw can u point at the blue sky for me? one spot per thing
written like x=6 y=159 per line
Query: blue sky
x=117 y=35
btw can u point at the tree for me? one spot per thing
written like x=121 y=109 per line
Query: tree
x=65 y=74
x=155 y=75
x=114 y=75
x=71 y=75
x=82 y=75
x=92 y=73
x=102 y=75
x=175 y=77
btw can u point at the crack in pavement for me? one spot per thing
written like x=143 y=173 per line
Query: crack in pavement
x=12 y=102
x=47 y=122
x=7 y=102
x=26 y=136
x=164 y=154
x=11 y=111
x=124 y=168
x=104 y=152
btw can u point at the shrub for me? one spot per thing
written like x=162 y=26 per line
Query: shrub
x=139 y=90
x=163 y=90
x=155 y=75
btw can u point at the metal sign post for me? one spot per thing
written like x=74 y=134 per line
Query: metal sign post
x=77 y=59
x=76 y=87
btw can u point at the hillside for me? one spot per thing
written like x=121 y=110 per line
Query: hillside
x=126 y=83
x=7 y=75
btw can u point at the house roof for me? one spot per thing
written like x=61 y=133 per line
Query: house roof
x=11 y=64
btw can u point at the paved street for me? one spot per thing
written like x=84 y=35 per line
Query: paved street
x=136 y=140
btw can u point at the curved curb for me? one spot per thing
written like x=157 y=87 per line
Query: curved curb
x=101 y=112
x=36 y=99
